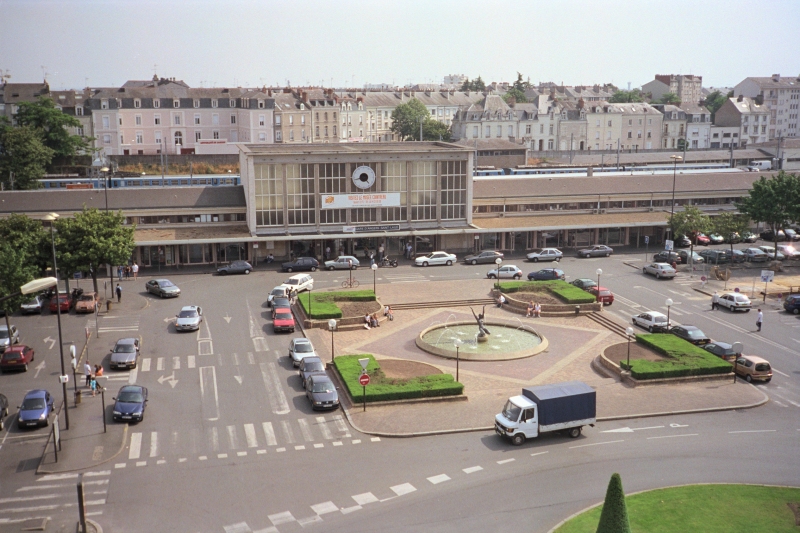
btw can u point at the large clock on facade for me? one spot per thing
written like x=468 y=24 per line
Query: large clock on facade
x=363 y=177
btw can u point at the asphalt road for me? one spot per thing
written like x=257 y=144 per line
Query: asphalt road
x=230 y=444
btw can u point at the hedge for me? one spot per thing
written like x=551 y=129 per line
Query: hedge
x=566 y=292
x=685 y=359
x=381 y=388
x=324 y=306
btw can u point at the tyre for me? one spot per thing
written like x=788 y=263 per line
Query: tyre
x=2 y=424
x=394 y=265
x=313 y=269
x=535 y=259
x=289 y=269
x=795 y=311
x=558 y=259
x=574 y=433
x=474 y=262
x=518 y=277
x=491 y=276
x=223 y=272
x=246 y=272
x=748 y=378
x=330 y=268
x=344 y=284
x=608 y=254
x=161 y=295
x=644 y=271
x=449 y=263
x=355 y=283
x=518 y=439
x=658 y=275
x=650 y=329
x=425 y=263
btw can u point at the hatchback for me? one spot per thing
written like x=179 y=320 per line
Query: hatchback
x=701 y=239
x=278 y=292
x=236 y=267
x=505 y=272
x=723 y=350
x=35 y=409
x=584 y=283
x=788 y=251
x=299 y=282
x=749 y=236
x=33 y=306
x=667 y=257
x=682 y=241
x=163 y=288
x=652 y=321
x=299 y=349
x=599 y=250
x=301 y=263
x=791 y=235
x=343 y=262
x=3 y=411
x=130 y=403
x=692 y=334
x=546 y=274
x=792 y=304
x=321 y=392
x=771 y=252
x=602 y=295
x=282 y=320
x=716 y=238
x=659 y=270
x=545 y=254
x=7 y=339
x=18 y=357
x=735 y=301
x=87 y=302
x=63 y=301
x=715 y=257
x=753 y=368
x=310 y=366
x=686 y=257
x=487 y=256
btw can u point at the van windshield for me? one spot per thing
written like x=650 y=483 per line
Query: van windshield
x=511 y=411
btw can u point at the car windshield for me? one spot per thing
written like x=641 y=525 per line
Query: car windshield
x=3 y=333
x=314 y=367
x=726 y=351
x=130 y=397
x=696 y=333
x=284 y=316
x=322 y=386
x=278 y=292
x=188 y=314
x=166 y=283
x=124 y=348
x=32 y=403
x=303 y=347
x=11 y=356
x=742 y=299
x=511 y=411
x=291 y=282
x=32 y=302
x=87 y=297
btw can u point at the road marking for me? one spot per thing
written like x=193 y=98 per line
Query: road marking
x=204 y=347
x=341 y=426
x=182 y=460
x=269 y=433
x=202 y=458
x=596 y=444
x=29 y=498
x=136 y=446
x=300 y=447
x=236 y=359
x=120 y=465
x=141 y=463
x=160 y=363
x=269 y=373
x=787 y=399
x=208 y=381
x=146 y=364
x=176 y=363
x=161 y=462
x=504 y=461
x=250 y=358
x=241 y=454
x=287 y=430
x=214 y=436
x=190 y=361
x=375 y=439
x=153 y=444
x=241 y=527
x=538 y=453
x=233 y=439
x=405 y=488
x=261 y=452
x=441 y=478
x=779 y=372
x=280 y=449
x=674 y=436
x=260 y=344
x=356 y=441
x=132 y=376
x=323 y=508
x=323 y=427
x=365 y=498
x=337 y=443
x=629 y=430
x=755 y=431
x=472 y=469
x=305 y=430
x=281 y=518
x=250 y=436
x=222 y=456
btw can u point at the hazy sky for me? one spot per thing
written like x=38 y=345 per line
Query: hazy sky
x=349 y=42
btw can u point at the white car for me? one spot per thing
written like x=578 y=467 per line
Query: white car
x=33 y=306
x=189 y=318
x=505 y=272
x=790 y=252
x=545 y=254
x=278 y=292
x=735 y=301
x=659 y=270
x=299 y=349
x=770 y=251
x=651 y=321
x=7 y=340
x=436 y=258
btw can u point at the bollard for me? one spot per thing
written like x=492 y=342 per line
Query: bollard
x=108 y=305
x=78 y=397
x=577 y=309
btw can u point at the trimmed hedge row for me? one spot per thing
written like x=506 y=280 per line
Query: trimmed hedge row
x=570 y=294
x=323 y=304
x=381 y=389
x=686 y=359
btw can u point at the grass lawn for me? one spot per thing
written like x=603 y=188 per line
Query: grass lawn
x=683 y=359
x=323 y=304
x=567 y=293
x=702 y=508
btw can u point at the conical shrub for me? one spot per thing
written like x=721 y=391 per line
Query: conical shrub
x=614 y=518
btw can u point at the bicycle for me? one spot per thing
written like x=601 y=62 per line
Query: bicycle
x=348 y=284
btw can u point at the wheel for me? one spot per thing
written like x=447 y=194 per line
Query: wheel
x=247 y=271
x=449 y=263
x=394 y=265
x=2 y=424
x=344 y=284
x=491 y=276
x=558 y=259
x=161 y=295
x=473 y=262
x=313 y=269
x=289 y=269
x=644 y=271
x=355 y=267
x=355 y=283
x=574 y=433
x=518 y=277
x=607 y=254
x=650 y=329
x=535 y=259
x=223 y=272
x=518 y=439
x=330 y=268
x=424 y=263
x=658 y=275
x=748 y=378
x=746 y=310
x=795 y=311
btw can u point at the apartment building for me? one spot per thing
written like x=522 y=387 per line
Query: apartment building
x=688 y=87
x=490 y=118
x=292 y=118
x=631 y=126
x=781 y=95
x=673 y=131
x=69 y=102
x=750 y=120
x=698 y=125
x=572 y=126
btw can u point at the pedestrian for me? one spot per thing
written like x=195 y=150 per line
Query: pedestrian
x=119 y=293
x=373 y=321
x=119 y=272
x=366 y=321
x=327 y=253
x=408 y=250
x=759 y=319
x=127 y=272
x=501 y=300
x=93 y=384
x=537 y=310
x=135 y=268
x=380 y=253
x=715 y=301
x=87 y=370
x=270 y=258
x=371 y=258
x=529 y=313
x=387 y=312
x=98 y=370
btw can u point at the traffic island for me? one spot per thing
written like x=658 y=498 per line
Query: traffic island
x=348 y=308
x=556 y=297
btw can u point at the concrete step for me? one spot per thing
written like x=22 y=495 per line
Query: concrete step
x=449 y=303
x=609 y=323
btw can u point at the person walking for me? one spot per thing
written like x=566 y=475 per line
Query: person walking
x=87 y=370
x=135 y=269
x=759 y=319
x=715 y=301
x=119 y=293
x=380 y=253
x=119 y=272
x=408 y=250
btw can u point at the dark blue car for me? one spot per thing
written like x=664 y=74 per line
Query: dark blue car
x=35 y=409
x=130 y=403
x=546 y=274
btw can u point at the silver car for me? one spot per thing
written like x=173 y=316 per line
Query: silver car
x=7 y=340
x=545 y=254
x=32 y=306
x=278 y=292
x=163 y=288
x=755 y=255
x=598 y=250
x=505 y=272
x=659 y=270
x=770 y=251
x=189 y=318
x=299 y=349
x=343 y=262
x=124 y=353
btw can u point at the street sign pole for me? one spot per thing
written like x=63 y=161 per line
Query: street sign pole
x=363 y=379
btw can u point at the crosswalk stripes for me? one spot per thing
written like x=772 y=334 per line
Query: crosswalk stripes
x=406 y=278
x=188 y=362
x=128 y=324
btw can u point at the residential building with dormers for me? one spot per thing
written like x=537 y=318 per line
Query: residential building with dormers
x=630 y=126
x=750 y=120
x=781 y=95
x=673 y=126
x=698 y=125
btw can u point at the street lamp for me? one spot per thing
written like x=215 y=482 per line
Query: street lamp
x=669 y=304
x=629 y=332
x=598 y=272
x=104 y=170
x=332 y=327
x=457 y=343
x=52 y=217
x=738 y=348
x=498 y=262
x=675 y=159
x=374 y=268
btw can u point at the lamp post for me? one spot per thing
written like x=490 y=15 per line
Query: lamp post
x=598 y=272
x=629 y=332
x=374 y=268
x=669 y=305
x=457 y=343
x=52 y=217
x=332 y=327
x=738 y=348
x=104 y=170
x=675 y=159
x=498 y=262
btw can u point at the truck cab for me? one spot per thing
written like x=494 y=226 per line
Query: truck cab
x=518 y=421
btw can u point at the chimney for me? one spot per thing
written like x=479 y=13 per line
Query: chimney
x=269 y=92
x=759 y=100
x=740 y=98
x=581 y=103
x=776 y=78
x=305 y=97
x=596 y=88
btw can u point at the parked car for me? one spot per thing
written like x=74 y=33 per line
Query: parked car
x=769 y=235
x=282 y=320
x=436 y=258
x=189 y=318
x=130 y=403
x=733 y=238
x=584 y=283
x=321 y=392
x=652 y=321
x=716 y=238
x=35 y=409
x=723 y=350
x=299 y=349
x=505 y=272
x=755 y=255
x=599 y=250
x=545 y=254
x=280 y=301
x=299 y=282
x=734 y=301
x=235 y=267
x=659 y=270
x=602 y=295
x=686 y=257
x=667 y=257
x=486 y=256
x=6 y=338
x=17 y=357
x=62 y=301
x=681 y=241
x=87 y=302
x=310 y=366
x=789 y=251
x=736 y=256
x=343 y=262
x=33 y=306
x=124 y=353
x=163 y=288
x=692 y=334
x=714 y=257
x=546 y=274
x=791 y=235
x=753 y=368
x=792 y=304
x=3 y=411
x=749 y=237
x=300 y=264
x=770 y=251
x=700 y=239
x=278 y=292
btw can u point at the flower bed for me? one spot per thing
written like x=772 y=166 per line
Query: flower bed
x=323 y=304
x=683 y=359
x=567 y=293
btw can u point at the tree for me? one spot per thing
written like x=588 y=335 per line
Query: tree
x=433 y=130
x=728 y=223
x=713 y=102
x=614 y=517
x=93 y=238
x=53 y=125
x=625 y=97
x=15 y=272
x=690 y=221
x=406 y=119
x=28 y=236
x=773 y=201
x=23 y=153
x=520 y=85
x=474 y=85
x=670 y=98
x=516 y=94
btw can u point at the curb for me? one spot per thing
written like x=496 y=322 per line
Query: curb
x=91 y=523
x=122 y=447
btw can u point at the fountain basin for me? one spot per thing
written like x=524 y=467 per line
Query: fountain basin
x=506 y=342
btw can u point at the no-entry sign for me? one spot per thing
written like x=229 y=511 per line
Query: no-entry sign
x=363 y=379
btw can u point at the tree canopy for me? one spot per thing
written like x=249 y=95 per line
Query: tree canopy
x=520 y=85
x=53 y=126
x=23 y=153
x=406 y=120
x=29 y=237
x=625 y=97
x=15 y=271
x=714 y=101
x=518 y=96
x=727 y=223
x=614 y=516
x=670 y=98
x=689 y=222
x=475 y=85
x=775 y=201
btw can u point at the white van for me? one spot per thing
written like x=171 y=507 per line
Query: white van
x=759 y=165
x=299 y=282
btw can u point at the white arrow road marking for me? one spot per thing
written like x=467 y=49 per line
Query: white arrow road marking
x=39 y=368
x=238 y=378
x=169 y=378
x=227 y=318
x=169 y=319
x=679 y=425
x=269 y=373
x=51 y=341
x=629 y=430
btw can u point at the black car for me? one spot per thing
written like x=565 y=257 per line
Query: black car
x=546 y=274
x=321 y=392
x=770 y=236
x=682 y=241
x=733 y=238
x=487 y=256
x=236 y=267
x=301 y=263
x=722 y=349
x=715 y=257
x=696 y=258
x=3 y=411
x=667 y=257
x=281 y=301
x=692 y=334
x=311 y=366
x=130 y=403
x=792 y=304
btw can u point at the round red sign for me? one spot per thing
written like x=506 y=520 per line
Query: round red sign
x=364 y=379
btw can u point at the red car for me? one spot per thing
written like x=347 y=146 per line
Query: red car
x=701 y=239
x=64 y=300
x=16 y=358
x=282 y=320
x=606 y=296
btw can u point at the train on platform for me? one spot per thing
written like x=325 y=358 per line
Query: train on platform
x=496 y=173
x=117 y=181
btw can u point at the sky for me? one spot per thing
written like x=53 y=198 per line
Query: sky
x=348 y=43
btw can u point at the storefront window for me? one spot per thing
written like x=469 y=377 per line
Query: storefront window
x=393 y=179
x=454 y=189
x=423 y=190
x=269 y=195
x=231 y=252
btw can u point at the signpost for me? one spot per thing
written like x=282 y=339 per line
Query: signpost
x=647 y=247
x=766 y=277
x=363 y=379
x=668 y=245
